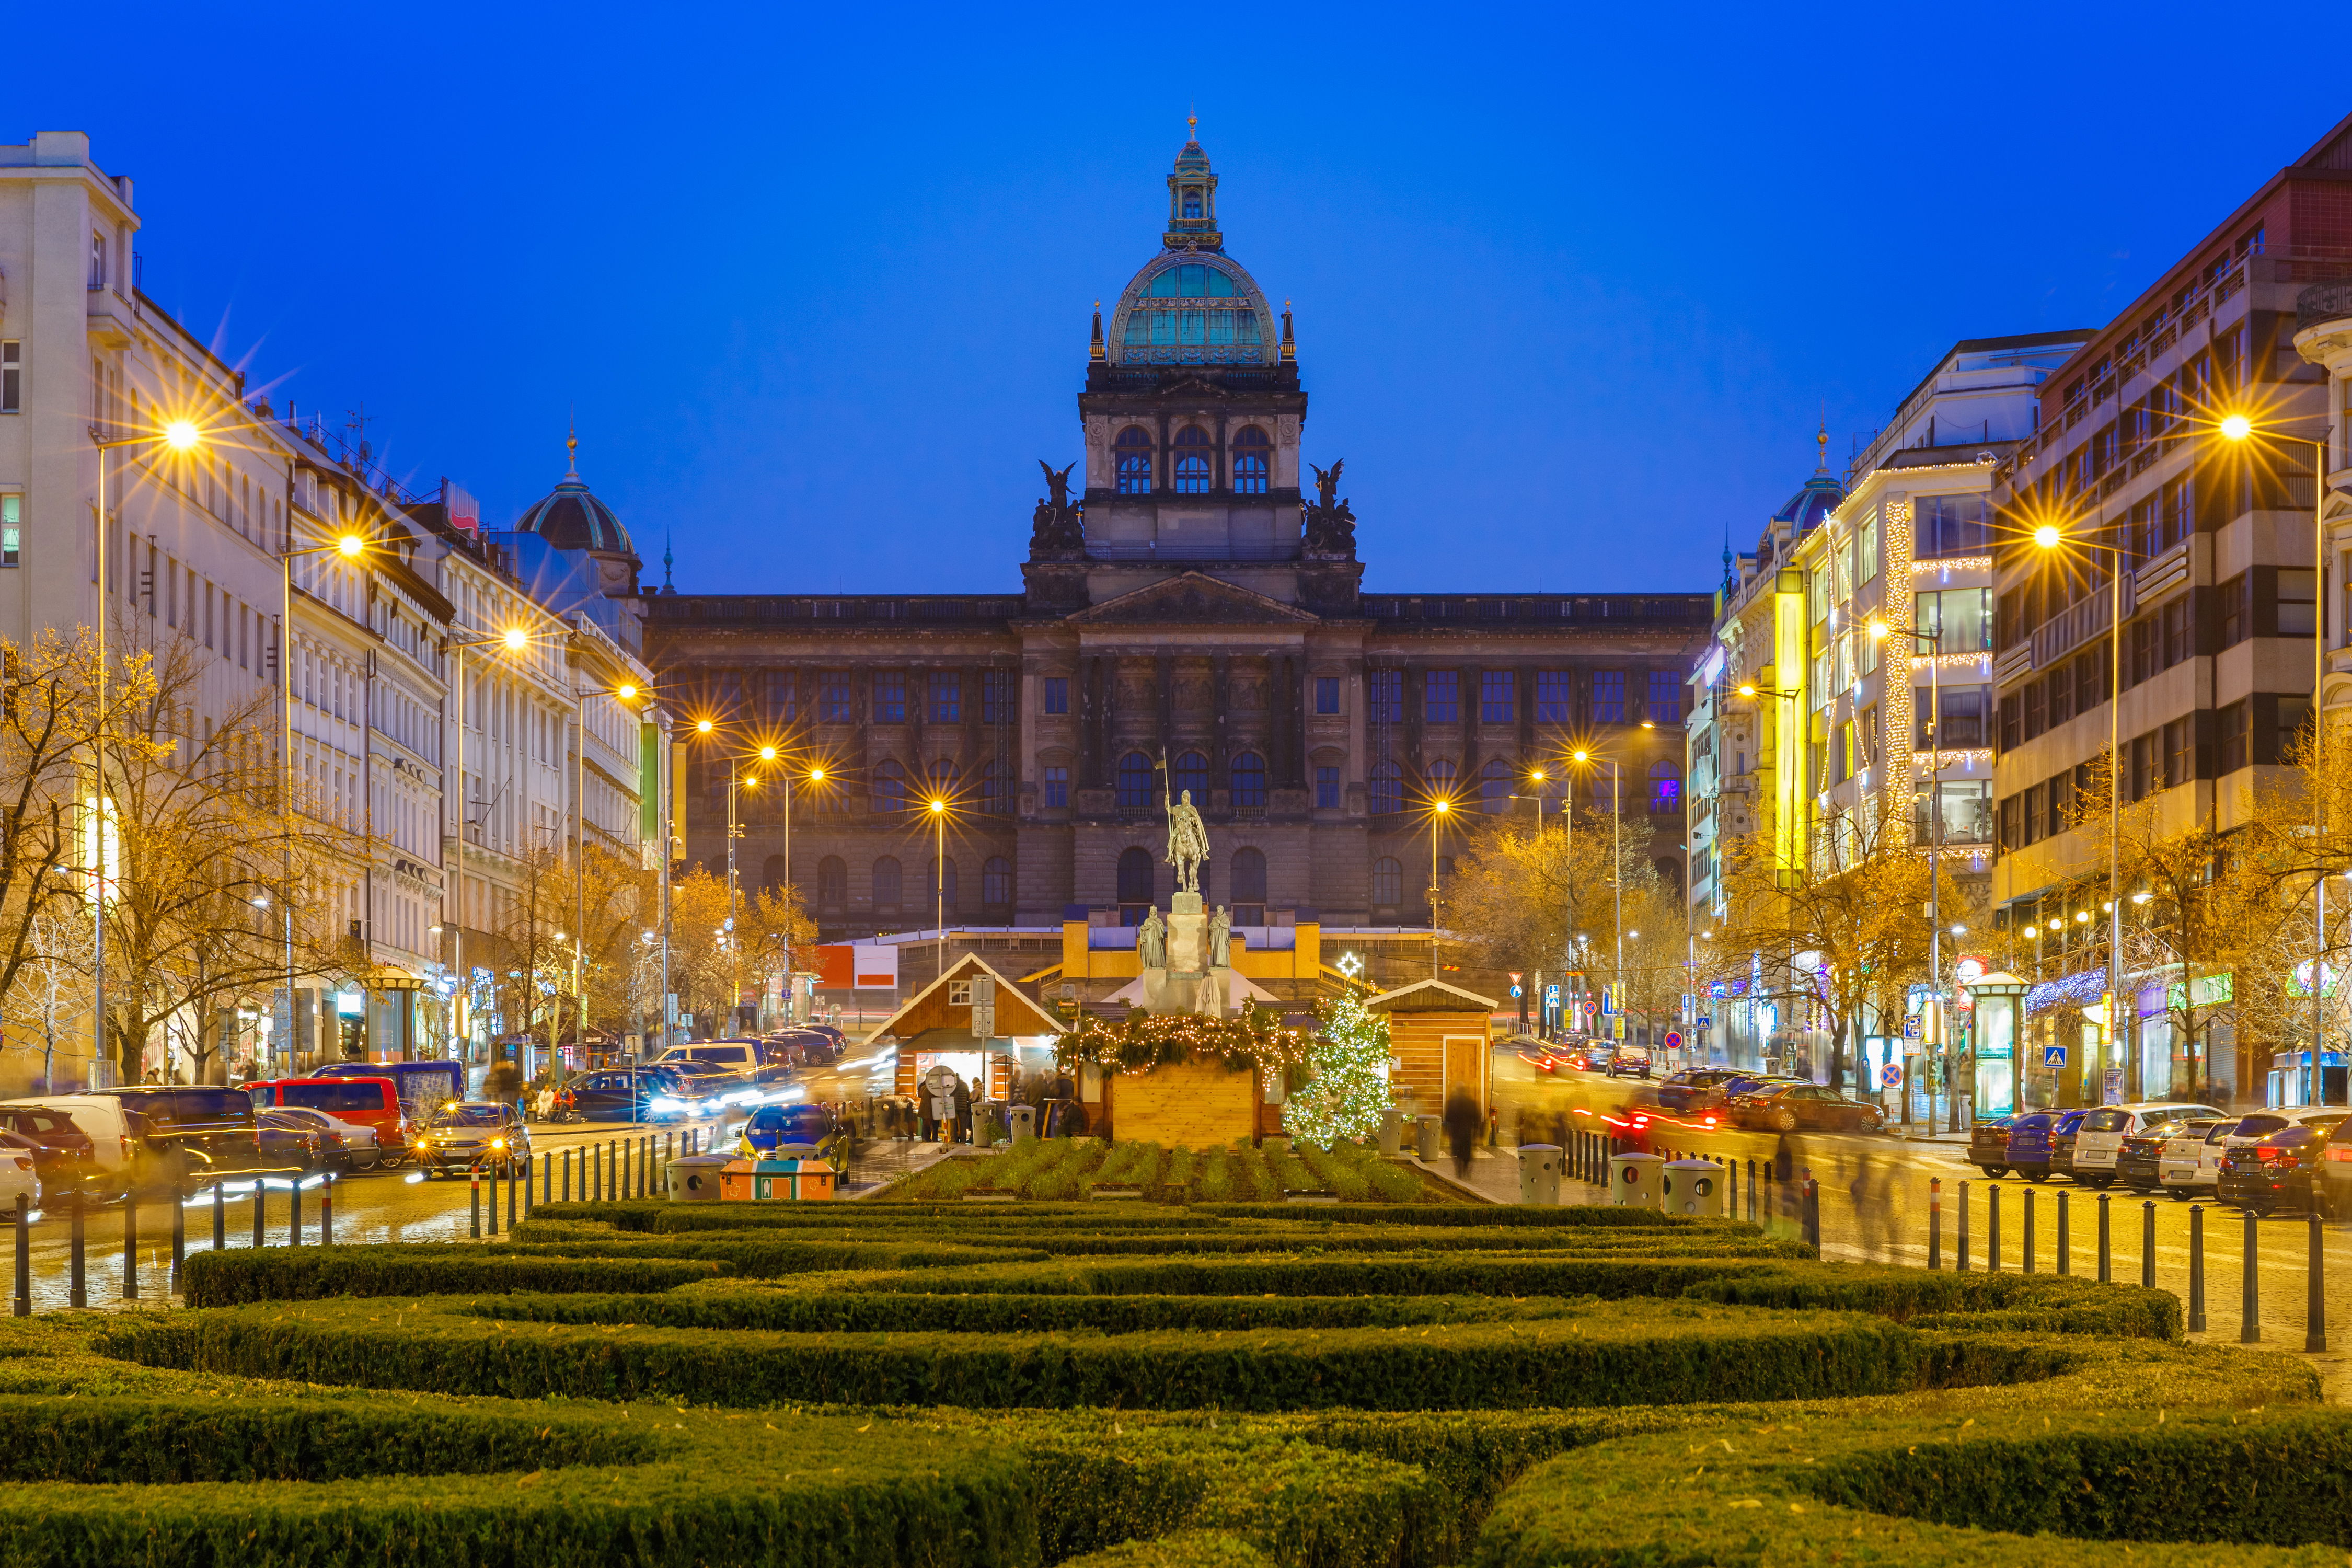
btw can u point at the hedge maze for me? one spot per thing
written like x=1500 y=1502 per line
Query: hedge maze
x=1227 y=1386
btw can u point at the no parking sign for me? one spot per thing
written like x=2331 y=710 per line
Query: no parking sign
x=1891 y=1076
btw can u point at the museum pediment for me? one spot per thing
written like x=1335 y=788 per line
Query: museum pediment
x=1193 y=599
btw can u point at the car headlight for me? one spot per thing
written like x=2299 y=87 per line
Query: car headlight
x=498 y=1142
x=666 y=1103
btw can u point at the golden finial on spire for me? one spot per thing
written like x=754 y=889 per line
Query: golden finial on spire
x=571 y=446
x=1823 y=439
x=1193 y=123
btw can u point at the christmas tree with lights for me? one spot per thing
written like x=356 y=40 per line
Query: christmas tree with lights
x=1347 y=1073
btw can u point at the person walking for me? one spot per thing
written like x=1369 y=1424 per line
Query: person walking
x=962 y=1109
x=1463 y=1125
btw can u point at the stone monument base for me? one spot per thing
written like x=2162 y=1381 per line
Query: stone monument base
x=1173 y=991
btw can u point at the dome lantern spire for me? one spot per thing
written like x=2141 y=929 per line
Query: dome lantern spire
x=1192 y=198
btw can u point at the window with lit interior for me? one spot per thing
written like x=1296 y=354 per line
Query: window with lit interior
x=1251 y=455
x=1193 y=468
x=1132 y=461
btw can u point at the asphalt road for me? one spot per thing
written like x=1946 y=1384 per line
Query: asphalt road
x=1874 y=1198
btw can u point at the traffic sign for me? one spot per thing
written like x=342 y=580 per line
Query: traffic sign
x=1674 y=1040
x=1891 y=1075
x=1705 y=1020
x=1516 y=991
x=1911 y=1027
x=1551 y=996
x=2053 y=1056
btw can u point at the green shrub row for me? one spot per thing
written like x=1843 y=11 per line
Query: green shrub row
x=2032 y=1303
x=1337 y=1274
x=2031 y=1489
x=1184 y=1549
x=859 y=1311
x=1635 y=1353
x=1056 y=1169
x=763 y=1257
x=425 y=1269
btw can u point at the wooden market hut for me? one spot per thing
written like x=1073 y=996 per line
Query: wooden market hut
x=1441 y=1037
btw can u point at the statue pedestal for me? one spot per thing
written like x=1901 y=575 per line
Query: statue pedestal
x=1187 y=934
x=1194 y=980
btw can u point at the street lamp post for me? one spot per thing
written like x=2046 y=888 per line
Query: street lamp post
x=180 y=436
x=1616 y=863
x=1438 y=810
x=939 y=887
x=1537 y=777
x=2238 y=427
x=351 y=546
x=514 y=639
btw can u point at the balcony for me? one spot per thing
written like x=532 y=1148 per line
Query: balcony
x=2322 y=303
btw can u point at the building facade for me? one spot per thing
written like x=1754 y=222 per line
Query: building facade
x=1189 y=620
x=2213 y=541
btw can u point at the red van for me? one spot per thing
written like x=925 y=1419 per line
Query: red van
x=373 y=1102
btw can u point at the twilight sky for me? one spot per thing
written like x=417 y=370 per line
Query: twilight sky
x=1572 y=283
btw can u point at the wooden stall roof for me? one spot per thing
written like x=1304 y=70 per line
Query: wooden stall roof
x=929 y=1008
x=1430 y=996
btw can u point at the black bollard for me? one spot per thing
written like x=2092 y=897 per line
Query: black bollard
x=546 y=1178
x=1992 y=1229
x=494 y=1196
x=24 y=1255
x=179 y=1238
x=1935 y=1222
x=327 y=1211
x=131 y=1245
x=2315 y=1301
x=2250 y=1299
x=2106 y=1253
x=475 y=1178
x=2196 y=1268
x=294 y=1211
x=1961 y=1263
x=567 y=1175
x=511 y=1192
x=1812 y=1212
x=220 y=1218
x=77 y=1279
x=260 y=1211
x=2065 y=1239
x=2148 y=1245
x=2027 y=1263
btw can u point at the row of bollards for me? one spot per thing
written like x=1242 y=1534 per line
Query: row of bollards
x=618 y=1169
x=77 y=1262
x=2249 y=1329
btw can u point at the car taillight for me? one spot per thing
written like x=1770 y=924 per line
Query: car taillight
x=2266 y=1154
x=2334 y=1153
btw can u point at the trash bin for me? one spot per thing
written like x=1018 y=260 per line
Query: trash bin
x=984 y=1113
x=694 y=1178
x=1633 y=1180
x=1427 y=1134
x=1539 y=1174
x=1024 y=1121
x=1691 y=1186
x=1391 y=1132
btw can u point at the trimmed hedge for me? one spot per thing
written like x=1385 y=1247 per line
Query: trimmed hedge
x=2031 y=1304
x=1337 y=1274
x=423 y=1269
x=1184 y=1549
x=1636 y=1352
x=850 y=1311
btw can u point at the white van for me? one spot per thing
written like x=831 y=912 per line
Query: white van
x=2099 y=1143
x=113 y=1146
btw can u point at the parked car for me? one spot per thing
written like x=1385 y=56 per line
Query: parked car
x=1989 y=1145
x=2190 y=1163
x=772 y=1127
x=745 y=1060
x=18 y=1176
x=1789 y=1107
x=2280 y=1171
x=2335 y=1168
x=1696 y=1089
x=2099 y=1143
x=288 y=1141
x=2061 y=1141
x=64 y=1156
x=1629 y=1060
x=473 y=1134
x=374 y=1102
x=2028 y=1150
x=349 y=1145
x=186 y=1132
x=660 y=1092
x=114 y=1132
x=2139 y=1161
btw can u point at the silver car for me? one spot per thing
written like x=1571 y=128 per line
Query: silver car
x=473 y=1136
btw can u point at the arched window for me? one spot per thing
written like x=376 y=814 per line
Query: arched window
x=1133 y=454
x=1249 y=887
x=890 y=787
x=995 y=790
x=771 y=873
x=1252 y=453
x=1388 y=881
x=1665 y=788
x=996 y=882
x=1134 y=782
x=888 y=882
x=1249 y=780
x=1192 y=774
x=933 y=890
x=1384 y=791
x=1440 y=778
x=942 y=783
x=1494 y=787
x=831 y=884
x=1134 y=885
x=1193 y=447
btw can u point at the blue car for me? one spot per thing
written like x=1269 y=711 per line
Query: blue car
x=771 y=1128
x=2032 y=1136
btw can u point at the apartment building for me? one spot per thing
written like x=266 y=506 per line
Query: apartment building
x=2213 y=542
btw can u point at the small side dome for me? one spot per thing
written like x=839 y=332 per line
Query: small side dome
x=571 y=517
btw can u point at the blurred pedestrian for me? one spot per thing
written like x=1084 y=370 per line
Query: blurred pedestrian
x=962 y=1109
x=1463 y=1124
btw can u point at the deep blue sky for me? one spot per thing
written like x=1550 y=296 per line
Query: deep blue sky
x=1571 y=283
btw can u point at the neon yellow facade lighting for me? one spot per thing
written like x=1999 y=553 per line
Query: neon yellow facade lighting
x=1789 y=674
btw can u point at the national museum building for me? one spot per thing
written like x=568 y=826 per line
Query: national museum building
x=1189 y=617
